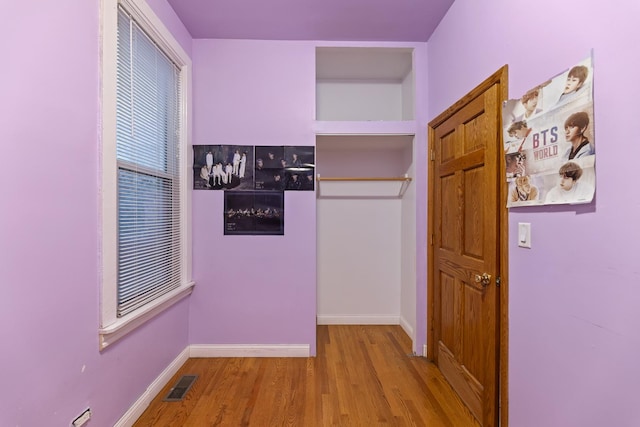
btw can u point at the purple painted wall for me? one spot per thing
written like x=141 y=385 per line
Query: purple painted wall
x=574 y=297
x=326 y=20
x=165 y=12
x=421 y=61
x=49 y=227
x=253 y=289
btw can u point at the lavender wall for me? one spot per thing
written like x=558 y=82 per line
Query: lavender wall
x=253 y=289
x=420 y=65
x=165 y=12
x=574 y=296
x=49 y=270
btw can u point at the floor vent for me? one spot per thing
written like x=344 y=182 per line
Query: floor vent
x=181 y=388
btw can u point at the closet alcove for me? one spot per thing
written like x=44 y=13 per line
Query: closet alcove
x=365 y=132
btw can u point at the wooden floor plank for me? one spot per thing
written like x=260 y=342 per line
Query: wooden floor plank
x=363 y=375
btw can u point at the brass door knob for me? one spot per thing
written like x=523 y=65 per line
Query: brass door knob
x=483 y=279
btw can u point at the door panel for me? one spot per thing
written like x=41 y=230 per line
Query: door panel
x=473 y=240
x=466 y=386
x=448 y=217
x=447 y=146
x=464 y=222
x=450 y=321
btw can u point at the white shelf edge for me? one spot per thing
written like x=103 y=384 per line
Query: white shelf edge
x=407 y=127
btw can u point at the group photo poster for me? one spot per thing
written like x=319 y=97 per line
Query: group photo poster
x=254 y=213
x=549 y=142
x=223 y=167
x=269 y=168
x=284 y=168
x=300 y=168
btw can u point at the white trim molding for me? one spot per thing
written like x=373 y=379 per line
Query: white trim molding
x=124 y=325
x=249 y=350
x=406 y=326
x=364 y=128
x=140 y=405
x=349 y=319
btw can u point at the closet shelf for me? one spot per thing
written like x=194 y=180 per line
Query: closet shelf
x=407 y=127
x=363 y=187
x=398 y=178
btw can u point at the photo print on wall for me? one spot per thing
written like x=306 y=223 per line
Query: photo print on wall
x=285 y=168
x=269 y=168
x=254 y=213
x=223 y=167
x=299 y=168
x=549 y=141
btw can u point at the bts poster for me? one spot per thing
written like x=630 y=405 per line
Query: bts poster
x=223 y=167
x=253 y=212
x=549 y=141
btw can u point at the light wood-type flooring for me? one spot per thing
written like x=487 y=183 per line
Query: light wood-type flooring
x=362 y=376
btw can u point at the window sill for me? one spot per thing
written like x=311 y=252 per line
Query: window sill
x=122 y=326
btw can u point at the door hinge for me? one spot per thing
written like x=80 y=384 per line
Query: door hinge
x=433 y=155
x=498 y=281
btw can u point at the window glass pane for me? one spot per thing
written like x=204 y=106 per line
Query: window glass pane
x=147 y=142
x=147 y=109
x=146 y=241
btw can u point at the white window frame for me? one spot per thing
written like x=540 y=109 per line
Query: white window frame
x=112 y=327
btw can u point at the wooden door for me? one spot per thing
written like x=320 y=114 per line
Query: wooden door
x=465 y=210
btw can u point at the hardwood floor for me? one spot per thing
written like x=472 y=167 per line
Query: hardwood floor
x=362 y=376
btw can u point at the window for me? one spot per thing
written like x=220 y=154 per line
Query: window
x=144 y=182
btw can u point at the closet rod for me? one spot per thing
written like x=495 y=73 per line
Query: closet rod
x=399 y=178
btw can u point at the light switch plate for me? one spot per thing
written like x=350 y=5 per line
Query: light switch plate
x=524 y=235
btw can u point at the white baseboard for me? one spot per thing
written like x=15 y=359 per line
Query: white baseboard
x=139 y=406
x=407 y=328
x=249 y=350
x=357 y=320
x=424 y=350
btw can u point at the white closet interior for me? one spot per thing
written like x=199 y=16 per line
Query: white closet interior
x=356 y=84
x=366 y=200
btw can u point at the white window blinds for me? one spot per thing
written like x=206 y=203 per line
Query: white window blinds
x=147 y=147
